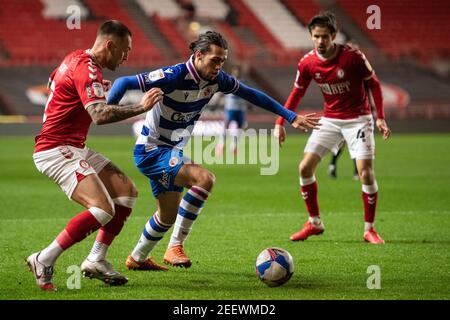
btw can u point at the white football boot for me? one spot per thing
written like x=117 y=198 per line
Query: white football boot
x=42 y=273
x=103 y=271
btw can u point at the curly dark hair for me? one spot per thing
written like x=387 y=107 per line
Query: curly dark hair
x=206 y=39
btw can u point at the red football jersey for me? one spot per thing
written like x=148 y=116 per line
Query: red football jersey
x=74 y=85
x=341 y=80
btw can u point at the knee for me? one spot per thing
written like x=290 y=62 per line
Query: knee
x=206 y=180
x=366 y=176
x=305 y=170
x=106 y=205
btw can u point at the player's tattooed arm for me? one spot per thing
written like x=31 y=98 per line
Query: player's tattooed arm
x=102 y=113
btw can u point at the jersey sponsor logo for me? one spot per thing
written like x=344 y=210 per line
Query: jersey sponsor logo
x=98 y=89
x=156 y=75
x=335 y=88
x=164 y=180
x=340 y=73
x=183 y=117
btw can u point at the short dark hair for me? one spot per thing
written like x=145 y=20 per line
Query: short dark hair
x=114 y=28
x=324 y=19
x=206 y=39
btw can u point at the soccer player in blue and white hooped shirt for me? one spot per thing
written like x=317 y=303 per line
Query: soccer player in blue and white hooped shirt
x=158 y=154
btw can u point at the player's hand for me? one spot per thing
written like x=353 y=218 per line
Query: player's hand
x=151 y=97
x=279 y=132
x=106 y=85
x=310 y=120
x=382 y=126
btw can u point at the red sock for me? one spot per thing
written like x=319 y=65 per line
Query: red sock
x=370 y=204
x=78 y=228
x=309 y=194
x=108 y=232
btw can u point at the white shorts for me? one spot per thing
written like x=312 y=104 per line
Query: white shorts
x=357 y=133
x=67 y=165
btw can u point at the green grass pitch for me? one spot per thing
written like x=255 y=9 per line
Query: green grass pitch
x=246 y=213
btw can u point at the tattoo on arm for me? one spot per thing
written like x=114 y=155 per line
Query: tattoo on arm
x=102 y=113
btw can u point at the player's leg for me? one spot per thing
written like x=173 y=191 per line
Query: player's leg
x=67 y=167
x=332 y=166
x=355 y=170
x=370 y=199
x=240 y=124
x=200 y=182
x=220 y=147
x=123 y=193
x=154 y=230
x=359 y=136
x=319 y=144
x=308 y=189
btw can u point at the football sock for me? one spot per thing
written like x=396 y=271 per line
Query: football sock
x=78 y=228
x=107 y=233
x=154 y=231
x=49 y=255
x=190 y=208
x=308 y=190
x=369 y=196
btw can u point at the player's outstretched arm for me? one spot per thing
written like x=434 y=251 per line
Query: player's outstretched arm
x=121 y=86
x=102 y=113
x=310 y=120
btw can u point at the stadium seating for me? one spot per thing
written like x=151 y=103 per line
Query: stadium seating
x=28 y=38
x=408 y=29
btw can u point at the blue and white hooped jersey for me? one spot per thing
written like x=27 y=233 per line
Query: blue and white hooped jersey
x=172 y=120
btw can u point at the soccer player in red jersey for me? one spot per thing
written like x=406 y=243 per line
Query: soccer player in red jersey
x=341 y=72
x=76 y=99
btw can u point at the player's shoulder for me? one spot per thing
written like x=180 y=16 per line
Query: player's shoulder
x=352 y=52
x=308 y=58
x=168 y=72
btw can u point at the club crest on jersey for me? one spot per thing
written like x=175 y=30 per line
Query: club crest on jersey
x=207 y=92
x=98 y=89
x=340 y=73
x=173 y=161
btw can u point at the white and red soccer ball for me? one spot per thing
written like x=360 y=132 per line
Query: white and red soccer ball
x=274 y=266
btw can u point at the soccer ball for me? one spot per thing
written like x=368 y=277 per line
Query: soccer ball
x=274 y=266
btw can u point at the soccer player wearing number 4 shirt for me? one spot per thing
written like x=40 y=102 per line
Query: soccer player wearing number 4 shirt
x=76 y=100
x=341 y=72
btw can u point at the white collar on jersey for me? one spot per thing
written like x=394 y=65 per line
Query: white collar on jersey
x=191 y=68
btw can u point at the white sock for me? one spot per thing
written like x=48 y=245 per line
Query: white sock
x=98 y=252
x=368 y=225
x=49 y=255
x=315 y=220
